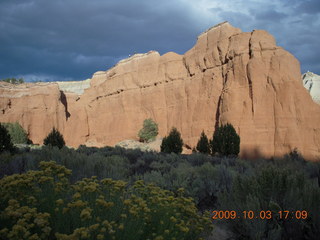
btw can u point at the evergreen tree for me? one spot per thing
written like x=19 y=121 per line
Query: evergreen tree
x=149 y=130
x=225 y=141
x=54 y=138
x=5 y=140
x=172 y=143
x=203 y=144
x=17 y=133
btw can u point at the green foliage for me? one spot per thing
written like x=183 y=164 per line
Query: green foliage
x=274 y=190
x=149 y=130
x=173 y=143
x=203 y=144
x=54 y=138
x=13 y=80
x=5 y=139
x=225 y=141
x=17 y=133
x=45 y=205
x=214 y=182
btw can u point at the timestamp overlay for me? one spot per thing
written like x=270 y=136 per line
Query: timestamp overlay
x=263 y=214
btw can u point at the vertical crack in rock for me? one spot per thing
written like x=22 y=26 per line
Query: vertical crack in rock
x=205 y=64
x=220 y=55
x=63 y=100
x=87 y=124
x=186 y=66
x=249 y=76
x=310 y=87
x=218 y=112
x=224 y=79
x=226 y=57
x=250 y=89
x=250 y=47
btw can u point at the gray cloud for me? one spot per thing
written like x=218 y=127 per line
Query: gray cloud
x=295 y=26
x=73 y=39
x=309 y=6
x=270 y=15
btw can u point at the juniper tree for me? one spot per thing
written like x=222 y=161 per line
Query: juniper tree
x=225 y=141
x=173 y=142
x=54 y=138
x=5 y=140
x=203 y=144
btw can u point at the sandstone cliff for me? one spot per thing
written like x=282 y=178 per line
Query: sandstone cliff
x=228 y=76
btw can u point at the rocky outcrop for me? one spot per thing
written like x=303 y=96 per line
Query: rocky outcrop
x=311 y=82
x=77 y=87
x=228 y=76
x=36 y=106
x=134 y=144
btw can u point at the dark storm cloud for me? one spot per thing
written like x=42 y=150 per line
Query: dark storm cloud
x=270 y=14
x=72 y=39
x=309 y=6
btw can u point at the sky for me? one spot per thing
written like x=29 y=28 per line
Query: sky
x=63 y=40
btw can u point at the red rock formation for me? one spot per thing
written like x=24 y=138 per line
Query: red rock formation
x=228 y=76
x=37 y=107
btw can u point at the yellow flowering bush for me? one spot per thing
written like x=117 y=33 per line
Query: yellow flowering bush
x=25 y=222
x=44 y=205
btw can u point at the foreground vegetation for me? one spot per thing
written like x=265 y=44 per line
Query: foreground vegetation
x=47 y=199
x=17 y=134
x=44 y=205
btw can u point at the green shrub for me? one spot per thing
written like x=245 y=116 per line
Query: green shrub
x=54 y=138
x=203 y=144
x=149 y=130
x=45 y=205
x=197 y=159
x=172 y=143
x=13 y=80
x=142 y=165
x=274 y=190
x=5 y=140
x=17 y=133
x=225 y=141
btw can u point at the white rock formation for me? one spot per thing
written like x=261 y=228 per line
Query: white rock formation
x=74 y=86
x=311 y=82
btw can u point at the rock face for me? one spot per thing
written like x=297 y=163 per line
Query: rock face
x=228 y=76
x=311 y=82
x=37 y=107
x=77 y=87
